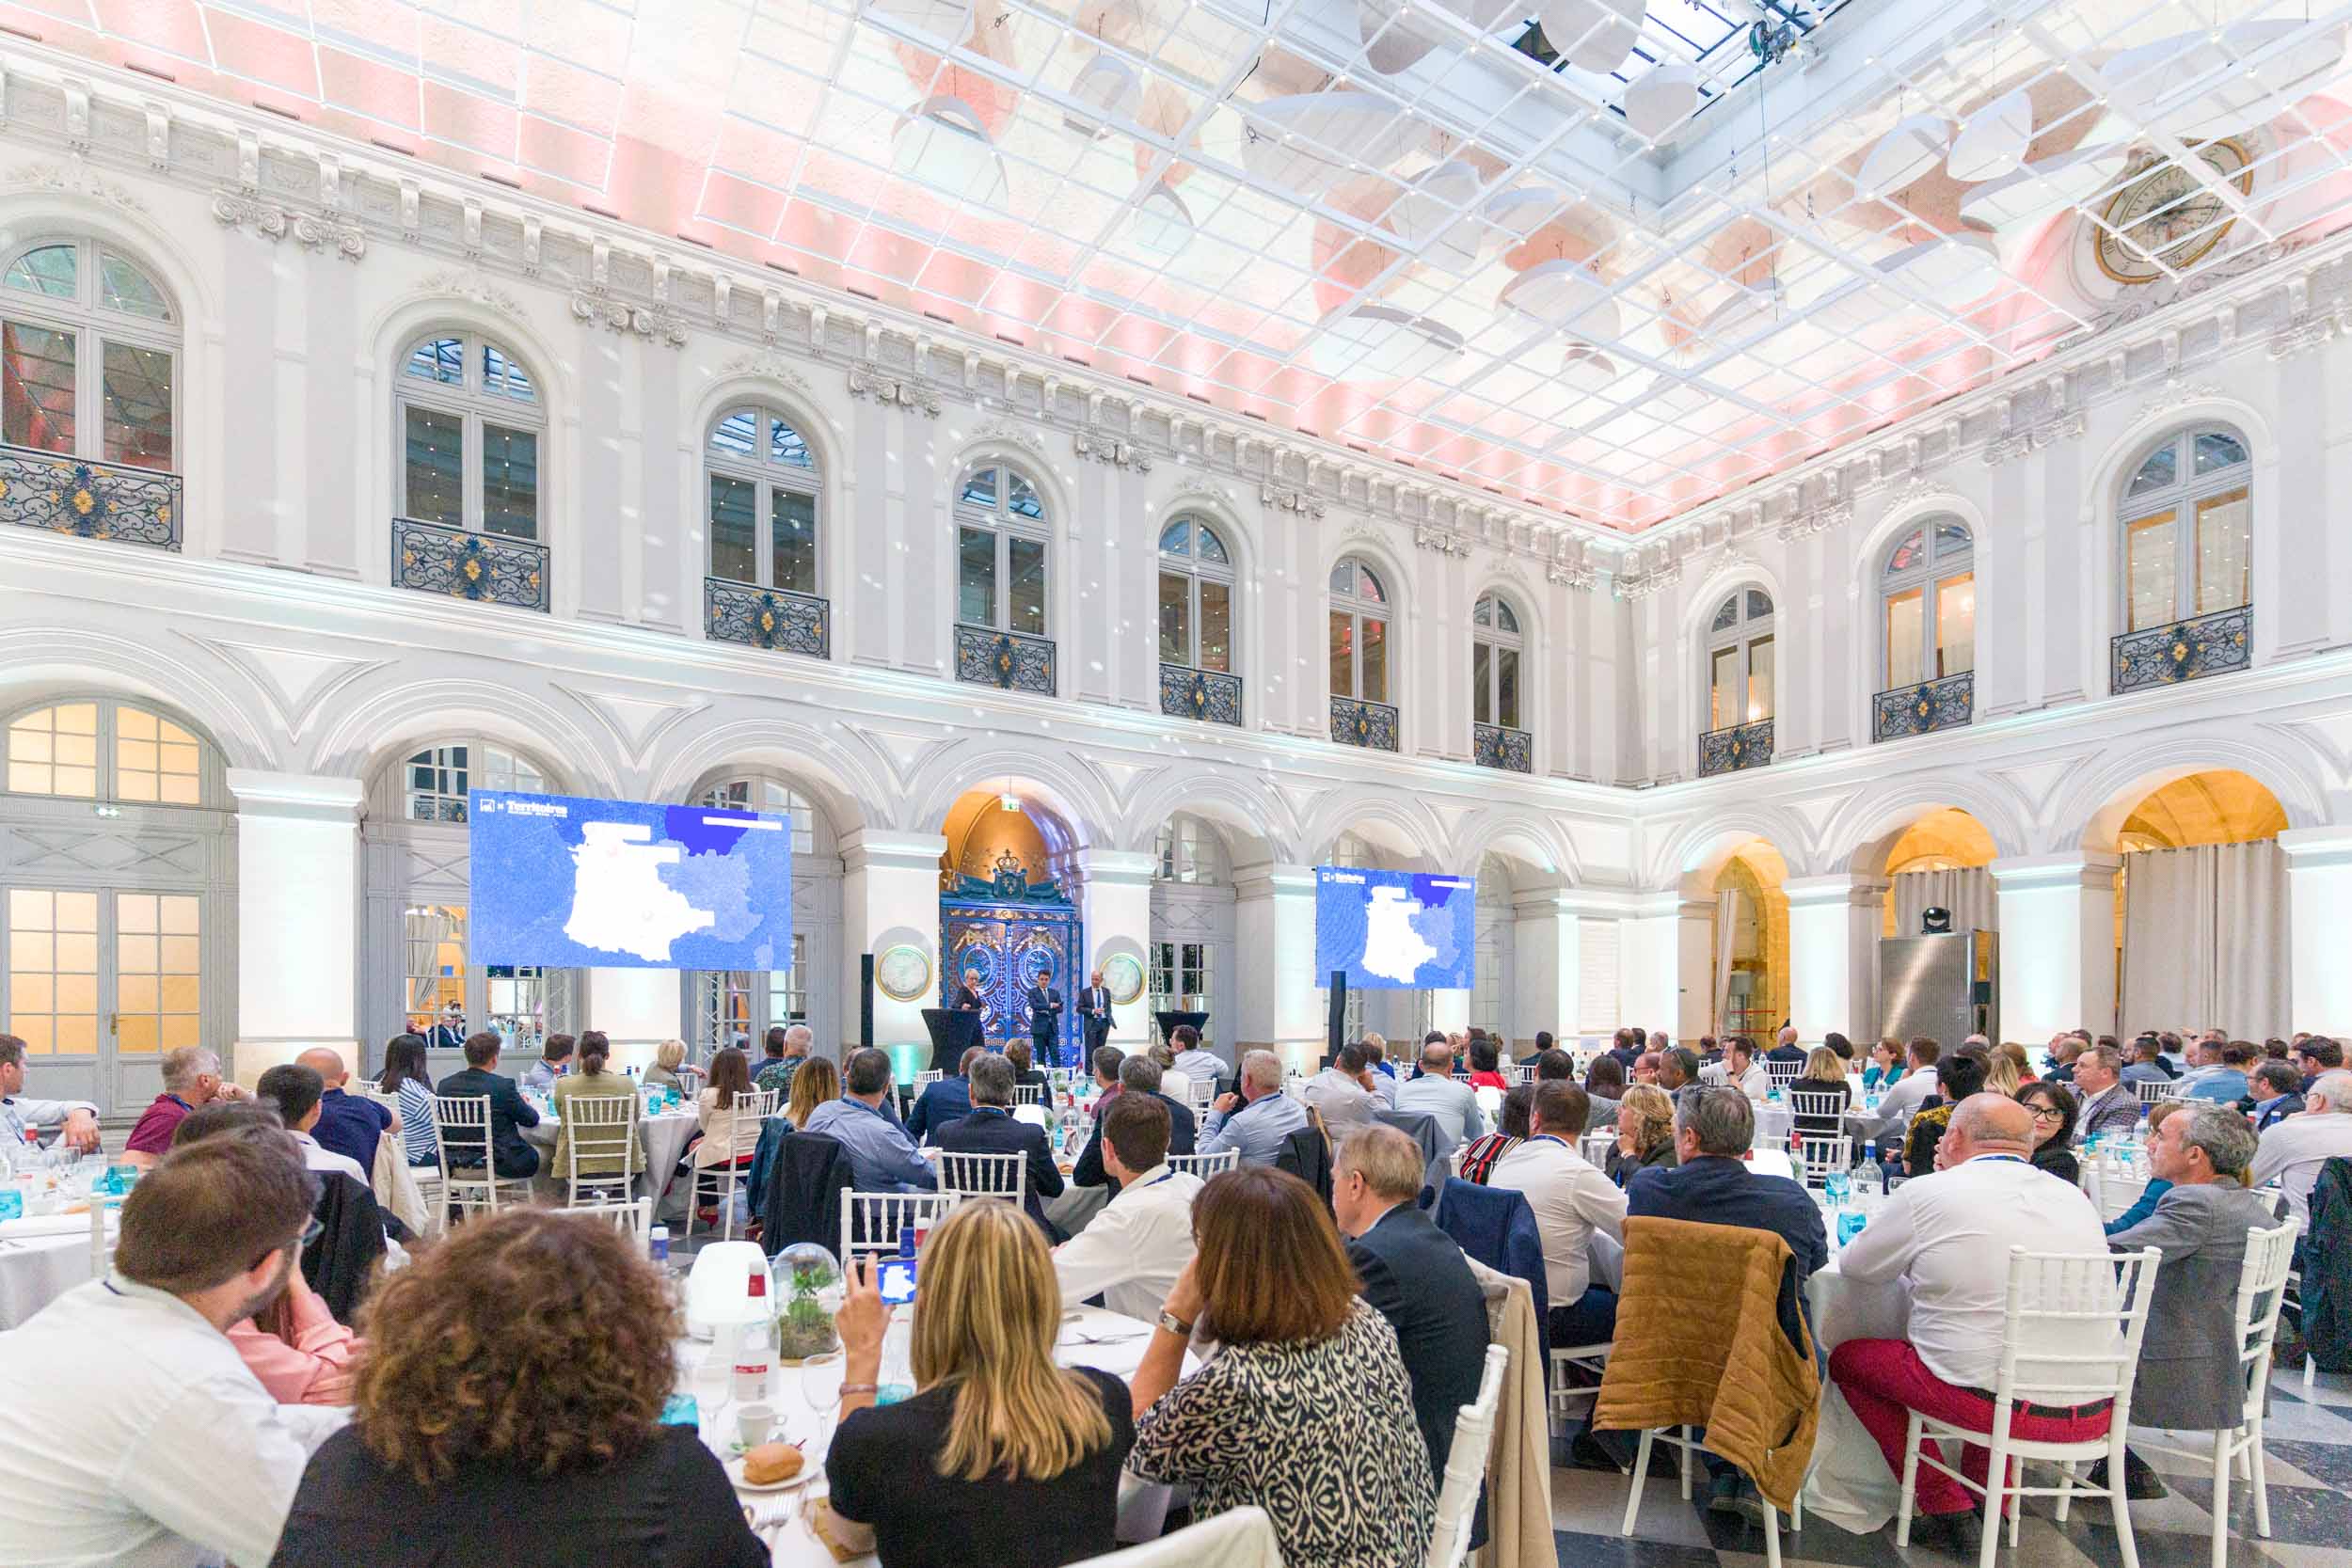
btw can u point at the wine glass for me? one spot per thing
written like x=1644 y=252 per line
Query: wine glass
x=820 y=1384
x=713 y=1376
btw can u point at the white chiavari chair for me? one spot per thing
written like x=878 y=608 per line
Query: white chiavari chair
x=631 y=1218
x=1821 y=1156
x=1005 y=1176
x=1028 y=1094
x=599 y=1131
x=871 y=1222
x=1466 y=1467
x=1782 y=1074
x=461 y=1138
x=735 y=1129
x=1205 y=1165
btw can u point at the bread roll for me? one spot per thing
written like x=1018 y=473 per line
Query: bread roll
x=771 y=1461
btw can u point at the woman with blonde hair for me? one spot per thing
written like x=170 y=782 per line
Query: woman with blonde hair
x=1645 y=1131
x=667 y=1059
x=817 y=1082
x=1000 y=1457
x=2003 y=1072
x=1825 y=1073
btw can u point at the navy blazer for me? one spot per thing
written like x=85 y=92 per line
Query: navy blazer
x=992 y=1131
x=948 y=1100
x=1088 y=1171
x=1416 y=1277
x=1716 y=1190
x=509 y=1113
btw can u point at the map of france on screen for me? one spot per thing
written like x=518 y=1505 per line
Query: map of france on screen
x=621 y=884
x=1396 y=929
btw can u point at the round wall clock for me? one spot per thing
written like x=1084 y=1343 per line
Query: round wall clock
x=1122 y=976
x=2167 y=219
x=903 y=973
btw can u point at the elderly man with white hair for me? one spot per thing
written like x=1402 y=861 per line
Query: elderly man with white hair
x=2293 y=1150
x=191 y=1078
x=1256 y=1119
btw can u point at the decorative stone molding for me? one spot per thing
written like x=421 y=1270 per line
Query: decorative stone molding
x=1106 y=448
x=1579 y=576
x=644 y=321
x=473 y=286
x=1813 y=521
x=1197 y=493
x=2033 y=439
x=1656 y=579
x=1303 y=503
x=767 y=367
x=1439 y=540
x=76 y=179
x=2176 y=393
x=1004 y=433
x=2307 y=330
x=311 y=231
x=239 y=210
x=868 y=381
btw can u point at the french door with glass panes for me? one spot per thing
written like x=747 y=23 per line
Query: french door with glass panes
x=522 y=1002
x=737 y=1007
x=99 y=982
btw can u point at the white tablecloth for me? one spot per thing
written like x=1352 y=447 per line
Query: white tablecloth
x=662 y=1138
x=41 y=1260
x=1851 y=1485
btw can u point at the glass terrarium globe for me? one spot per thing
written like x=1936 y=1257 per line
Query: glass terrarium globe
x=808 y=1281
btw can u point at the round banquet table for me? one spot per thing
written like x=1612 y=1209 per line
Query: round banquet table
x=42 y=1257
x=1775 y=1120
x=662 y=1138
x=1089 y=1337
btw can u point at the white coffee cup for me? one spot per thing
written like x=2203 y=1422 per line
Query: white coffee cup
x=754 y=1421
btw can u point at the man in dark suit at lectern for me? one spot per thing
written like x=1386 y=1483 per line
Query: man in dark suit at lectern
x=1045 y=1020
x=1094 y=1013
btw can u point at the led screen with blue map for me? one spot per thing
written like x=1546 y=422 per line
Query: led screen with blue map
x=1396 y=929
x=623 y=884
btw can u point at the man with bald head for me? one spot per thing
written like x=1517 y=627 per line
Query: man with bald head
x=1948 y=1236
x=348 y=1124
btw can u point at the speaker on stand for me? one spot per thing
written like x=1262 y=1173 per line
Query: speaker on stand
x=866 y=1001
x=1336 y=1029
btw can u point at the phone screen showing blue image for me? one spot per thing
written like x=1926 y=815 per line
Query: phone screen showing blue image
x=897 y=1280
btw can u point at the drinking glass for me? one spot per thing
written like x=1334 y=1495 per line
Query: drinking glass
x=821 y=1385
x=714 y=1379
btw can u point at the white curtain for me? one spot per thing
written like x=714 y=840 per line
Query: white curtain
x=2205 y=940
x=1727 y=937
x=1966 y=892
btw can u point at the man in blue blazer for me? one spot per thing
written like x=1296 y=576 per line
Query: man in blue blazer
x=1136 y=1075
x=510 y=1156
x=949 y=1099
x=992 y=1130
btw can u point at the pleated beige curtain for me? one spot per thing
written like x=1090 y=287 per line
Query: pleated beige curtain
x=1967 y=892
x=2205 y=940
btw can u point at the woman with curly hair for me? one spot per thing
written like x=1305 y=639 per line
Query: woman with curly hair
x=507 y=1415
x=1645 y=1131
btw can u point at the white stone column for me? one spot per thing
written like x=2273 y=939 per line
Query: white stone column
x=1115 y=889
x=1274 y=925
x=297 y=917
x=2057 y=943
x=889 y=896
x=2319 y=912
x=1546 y=961
x=637 y=1009
x=1666 y=965
x=1834 y=927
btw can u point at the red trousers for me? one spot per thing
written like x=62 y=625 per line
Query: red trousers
x=1885 y=1381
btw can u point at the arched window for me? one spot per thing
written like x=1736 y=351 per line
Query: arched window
x=1929 y=586
x=763 y=493
x=1190 y=852
x=1495 y=646
x=1196 y=596
x=2187 y=528
x=95 y=749
x=434 y=781
x=1739 y=660
x=1359 y=632
x=470 y=422
x=1000 y=552
x=86 y=344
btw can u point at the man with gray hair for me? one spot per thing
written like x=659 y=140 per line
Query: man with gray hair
x=2294 y=1150
x=882 y=1156
x=1256 y=1119
x=787 y=1048
x=2108 y=1104
x=191 y=1078
x=991 y=1129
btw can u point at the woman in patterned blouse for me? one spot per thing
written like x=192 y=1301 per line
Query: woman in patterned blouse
x=1305 y=1410
x=1479 y=1155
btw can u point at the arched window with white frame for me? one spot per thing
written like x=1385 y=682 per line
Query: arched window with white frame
x=1003 y=545
x=470 y=425
x=2186 y=520
x=1928 y=628
x=1360 y=612
x=1499 y=736
x=1195 y=601
x=1738 y=649
x=762 y=496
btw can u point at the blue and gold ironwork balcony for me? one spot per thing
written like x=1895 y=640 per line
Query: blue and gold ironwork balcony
x=88 y=499
x=1947 y=703
x=1012 y=660
x=2187 y=650
x=1728 y=750
x=1495 y=746
x=487 y=568
x=1372 y=726
x=767 y=617
x=1209 y=695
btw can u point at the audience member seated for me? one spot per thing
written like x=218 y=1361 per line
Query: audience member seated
x=1886 y=1067
x=296 y=1092
x=1604 y=1089
x=24 y=1117
x=510 y=1113
x=1555 y=1065
x=1947 y=1236
x=1131 y=1253
x=1479 y=1155
x=817 y=1082
x=667 y=1059
x=1305 y=1411
x=348 y=1125
x=714 y=1111
x=2190 y=1373
x=1646 y=1133
x=2061 y=1054
x=1342 y=1094
x=2275 y=1094
x=882 y=1158
x=992 y=1130
x=133 y=1432
x=1677 y=1069
x=2108 y=1104
x=1201 y=1066
x=555 y=1056
x=2222 y=1079
x=1916 y=1084
x=949 y=1099
x=1740 y=1068
x=191 y=1078
x=1434 y=1093
x=2316 y=1055
x=1025 y=1073
x=2053 y=1110
x=2294 y=1150
x=2018 y=1062
x=1380 y=1077
x=1570 y=1199
x=1786 y=1048
x=787 y=1050
x=1843 y=1047
x=1256 y=1119
x=2146 y=1063
x=2150 y=1195
x=591 y=1077
x=1708 y=1182
x=1105 y=1062
x=1415 y=1274
x=1825 y=1073
x=555 y=1434
x=1956 y=1076
x=1644 y=1068
x=1628 y=1044
x=405 y=1074
x=1485 y=1064
x=1136 y=1075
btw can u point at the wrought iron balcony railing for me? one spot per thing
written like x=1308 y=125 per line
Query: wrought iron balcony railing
x=1012 y=660
x=1209 y=695
x=1494 y=746
x=1372 y=726
x=2187 y=650
x=1947 y=703
x=767 y=617
x=1728 y=750
x=88 y=499
x=489 y=568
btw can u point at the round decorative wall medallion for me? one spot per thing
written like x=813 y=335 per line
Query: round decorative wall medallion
x=2167 y=219
x=903 y=973
x=1122 y=976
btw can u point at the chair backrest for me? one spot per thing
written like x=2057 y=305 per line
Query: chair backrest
x=690 y=1082
x=1459 y=1077
x=2071 y=1326
x=1466 y=1466
x=870 y=1221
x=1205 y=1165
x=739 y=1123
x=1237 y=1535
x=2261 y=1290
x=926 y=1078
x=631 y=1218
x=1598 y=1144
x=461 y=1130
x=985 y=1175
x=1028 y=1094
x=1817 y=1102
x=2154 y=1092
x=601 y=1127
x=102 y=1237
x=1782 y=1072
x=1199 y=1096
x=1821 y=1156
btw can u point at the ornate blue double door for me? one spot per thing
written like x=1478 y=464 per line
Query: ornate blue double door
x=1010 y=945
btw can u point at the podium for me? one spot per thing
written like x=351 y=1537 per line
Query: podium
x=1170 y=1021
x=954 y=1032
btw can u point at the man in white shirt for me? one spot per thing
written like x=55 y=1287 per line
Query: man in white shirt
x=1740 y=1068
x=1434 y=1093
x=1201 y=1066
x=1571 y=1200
x=1948 y=1237
x=130 y=1432
x=76 y=1121
x=1342 y=1093
x=1917 y=1082
x=1131 y=1253
x=295 y=1092
x=2295 y=1148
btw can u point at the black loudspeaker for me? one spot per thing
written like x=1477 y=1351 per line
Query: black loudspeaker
x=1336 y=1028
x=866 y=1001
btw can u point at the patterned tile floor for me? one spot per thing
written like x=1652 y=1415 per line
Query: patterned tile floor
x=2309 y=1441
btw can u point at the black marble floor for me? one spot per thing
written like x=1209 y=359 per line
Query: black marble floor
x=2307 y=1439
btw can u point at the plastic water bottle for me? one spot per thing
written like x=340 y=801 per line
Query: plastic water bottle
x=1869 y=1183
x=658 y=1245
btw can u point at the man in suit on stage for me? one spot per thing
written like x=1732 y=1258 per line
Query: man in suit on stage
x=1046 y=1005
x=1094 y=1012
x=449 y=1033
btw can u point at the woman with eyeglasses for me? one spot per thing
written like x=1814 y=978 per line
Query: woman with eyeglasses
x=2054 y=1111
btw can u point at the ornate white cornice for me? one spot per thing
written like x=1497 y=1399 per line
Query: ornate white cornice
x=1579 y=576
x=651 y=323
x=2177 y=393
x=1005 y=433
x=1284 y=498
x=311 y=231
x=768 y=367
x=894 y=391
x=1813 y=521
x=2306 y=330
x=1109 y=449
x=1655 y=581
x=1440 y=541
x=77 y=179
x=2033 y=439
x=473 y=286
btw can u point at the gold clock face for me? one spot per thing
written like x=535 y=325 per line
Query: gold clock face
x=903 y=971
x=2167 y=219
